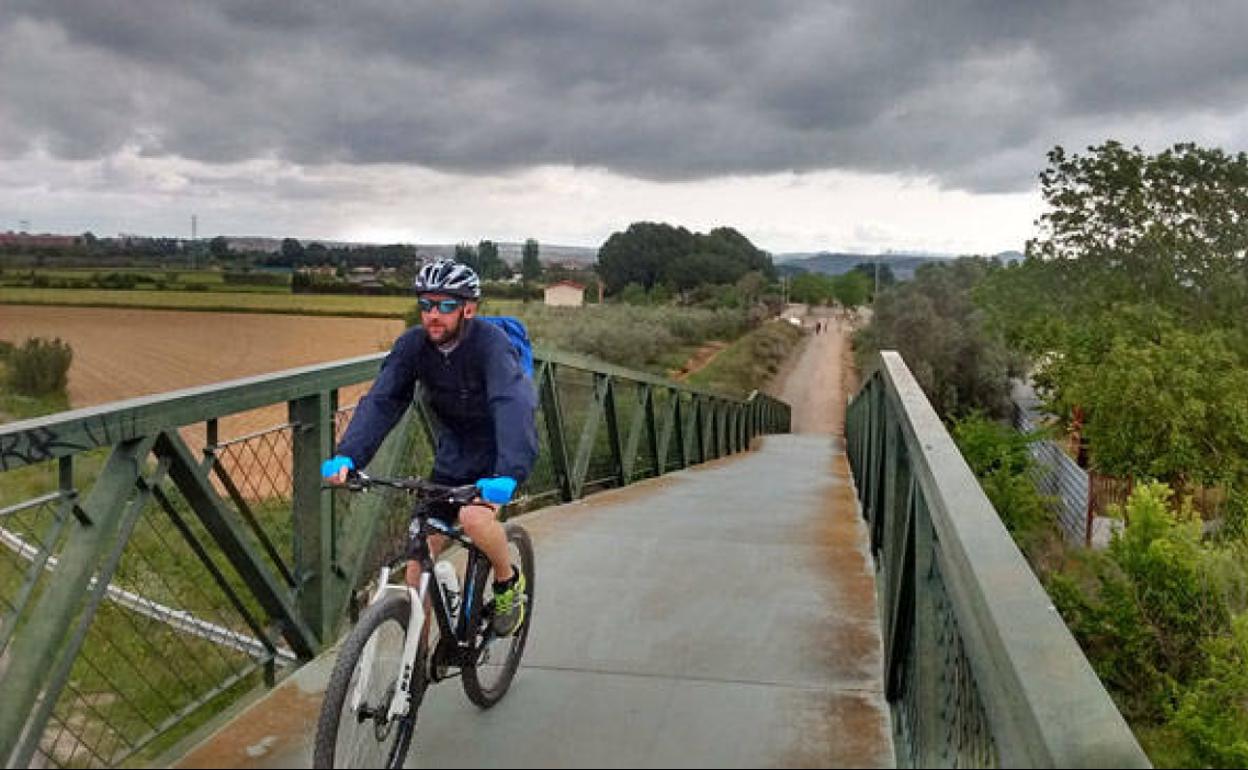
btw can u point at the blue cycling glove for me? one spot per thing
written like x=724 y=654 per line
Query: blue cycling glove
x=330 y=467
x=497 y=490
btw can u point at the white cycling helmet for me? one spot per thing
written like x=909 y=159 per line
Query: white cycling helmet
x=446 y=276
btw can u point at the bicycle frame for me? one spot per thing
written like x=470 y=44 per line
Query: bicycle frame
x=400 y=702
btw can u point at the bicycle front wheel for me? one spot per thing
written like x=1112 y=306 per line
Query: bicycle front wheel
x=486 y=682
x=354 y=729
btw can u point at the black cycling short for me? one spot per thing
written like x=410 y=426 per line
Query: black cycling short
x=440 y=510
x=443 y=511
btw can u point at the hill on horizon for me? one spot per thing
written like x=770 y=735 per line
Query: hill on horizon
x=839 y=263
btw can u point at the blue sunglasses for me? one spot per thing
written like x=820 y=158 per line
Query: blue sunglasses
x=444 y=306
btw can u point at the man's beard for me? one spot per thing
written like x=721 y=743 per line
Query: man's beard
x=449 y=334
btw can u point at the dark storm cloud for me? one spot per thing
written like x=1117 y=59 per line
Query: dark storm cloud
x=971 y=94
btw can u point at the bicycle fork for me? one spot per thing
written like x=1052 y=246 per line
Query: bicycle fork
x=400 y=701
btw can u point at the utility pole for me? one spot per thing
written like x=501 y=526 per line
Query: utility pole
x=876 y=293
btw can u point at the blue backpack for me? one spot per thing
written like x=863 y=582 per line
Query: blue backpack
x=519 y=337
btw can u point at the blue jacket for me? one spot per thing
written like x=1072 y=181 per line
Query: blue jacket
x=478 y=393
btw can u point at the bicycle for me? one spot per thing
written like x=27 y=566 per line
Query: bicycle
x=388 y=661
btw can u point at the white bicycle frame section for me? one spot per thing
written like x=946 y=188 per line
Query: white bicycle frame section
x=401 y=700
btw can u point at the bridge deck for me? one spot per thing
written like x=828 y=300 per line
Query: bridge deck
x=721 y=616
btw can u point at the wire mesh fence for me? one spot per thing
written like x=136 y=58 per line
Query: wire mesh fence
x=163 y=636
x=196 y=597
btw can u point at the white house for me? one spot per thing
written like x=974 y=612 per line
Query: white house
x=565 y=294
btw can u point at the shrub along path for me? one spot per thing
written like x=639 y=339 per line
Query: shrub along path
x=703 y=356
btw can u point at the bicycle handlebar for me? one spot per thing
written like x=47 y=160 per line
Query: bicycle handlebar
x=359 y=481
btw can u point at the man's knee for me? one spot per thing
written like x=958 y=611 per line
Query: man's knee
x=475 y=516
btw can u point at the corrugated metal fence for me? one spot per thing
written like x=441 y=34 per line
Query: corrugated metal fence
x=1079 y=498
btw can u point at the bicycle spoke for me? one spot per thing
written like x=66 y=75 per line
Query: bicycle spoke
x=499 y=657
x=354 y=728
x=364 y=736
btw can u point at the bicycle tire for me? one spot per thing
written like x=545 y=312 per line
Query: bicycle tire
x=333 y=749
x=476 y=683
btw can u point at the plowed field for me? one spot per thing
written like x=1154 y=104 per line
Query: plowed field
x=121 y=354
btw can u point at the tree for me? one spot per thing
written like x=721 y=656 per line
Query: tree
x=492 y=267
x=317 y=254
x=852 y=289
x=877 y=273
x=292 y=251
x=1130 y=301
x=639 y=254
x=466 y=254
x=737 y=249
x=962 y=365
x=1166 y=404
x=634 y=294
x=651 y=253
x=219 y=247
x=530 y=262
x=691 y=270
x=750 y=286
x=1167 y=228
x=811 y=289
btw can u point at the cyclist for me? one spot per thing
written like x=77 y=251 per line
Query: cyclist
x=485 y=406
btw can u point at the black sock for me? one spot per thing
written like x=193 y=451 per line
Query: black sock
x=503 y=586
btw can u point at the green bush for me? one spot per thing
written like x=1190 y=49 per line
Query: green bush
x=1233 y=524
x=40 y=367
x=1161 y=617
x=1103 y=613
x=999 y=457
x=1161 y=551
x=116 y=280
x=1212 y=716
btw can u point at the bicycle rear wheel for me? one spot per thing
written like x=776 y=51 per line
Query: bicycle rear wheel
x=487 y=681
x=348 y=736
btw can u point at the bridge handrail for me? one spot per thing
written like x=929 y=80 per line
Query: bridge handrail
x=979 y=666
x=276 y=558
x=66 y=433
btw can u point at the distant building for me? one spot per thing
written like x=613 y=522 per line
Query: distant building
x=365 y=276
x=565 y=294
x=11 y=238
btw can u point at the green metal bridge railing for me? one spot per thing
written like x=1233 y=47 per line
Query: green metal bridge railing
x=979 y=668
x=151 y=570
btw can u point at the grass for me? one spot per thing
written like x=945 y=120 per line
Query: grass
x=14 y=406
x=360 y=306
x=211 y=277
x=751 y=361
x=148 y=279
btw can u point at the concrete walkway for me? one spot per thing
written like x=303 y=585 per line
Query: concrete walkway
x=723 y=616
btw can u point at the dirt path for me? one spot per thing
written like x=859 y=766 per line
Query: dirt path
x=699 y=360
x=818 y=382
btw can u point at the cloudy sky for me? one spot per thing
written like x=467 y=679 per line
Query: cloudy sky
x=860 y=126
